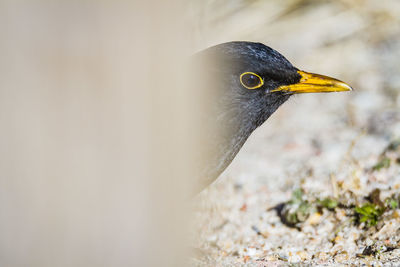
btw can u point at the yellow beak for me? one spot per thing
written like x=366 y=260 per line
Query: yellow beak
x=314 y=83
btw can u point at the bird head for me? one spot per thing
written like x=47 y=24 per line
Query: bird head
x=245 y=83
x=251 y=80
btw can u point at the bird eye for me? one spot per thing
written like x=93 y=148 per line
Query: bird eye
x=250 y=80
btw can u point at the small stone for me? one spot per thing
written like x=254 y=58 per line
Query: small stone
x=338 y=238
x=342 y=257
x=395 y=214
x=315 y=218
x=303 y=255
x=271 y=258
x=246 y=258
x=340 y=214
x=294 y=258
x=323 y=256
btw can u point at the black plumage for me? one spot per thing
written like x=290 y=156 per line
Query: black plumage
x=242 y=85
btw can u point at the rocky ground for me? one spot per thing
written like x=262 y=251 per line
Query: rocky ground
x=319 y=182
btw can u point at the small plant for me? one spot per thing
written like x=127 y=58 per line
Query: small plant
x=296 y=210
x=369 y=213
x=383 y=163
x=392 y=202
x=394 y=145
x=328 y=203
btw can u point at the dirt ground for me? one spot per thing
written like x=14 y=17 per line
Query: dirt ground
x=319 y=182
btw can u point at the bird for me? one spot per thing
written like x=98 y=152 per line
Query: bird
x=240 y=84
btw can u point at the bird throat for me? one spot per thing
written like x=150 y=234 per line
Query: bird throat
x=235 y=127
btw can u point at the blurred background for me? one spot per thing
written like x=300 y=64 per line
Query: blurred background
x=93 y=158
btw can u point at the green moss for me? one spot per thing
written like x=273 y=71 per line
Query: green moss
x=328 y=203
x=392 y=202
x=297 y=196
x=297 y=209
x=394 y=145
x=300 y=207
x=383 y=163
x=369 y=213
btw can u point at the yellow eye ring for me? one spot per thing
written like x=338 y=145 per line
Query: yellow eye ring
x=251 y=80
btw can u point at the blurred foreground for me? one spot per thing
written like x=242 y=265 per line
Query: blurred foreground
x=86 y=177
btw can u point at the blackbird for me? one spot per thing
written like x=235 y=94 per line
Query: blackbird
x=242 y=84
